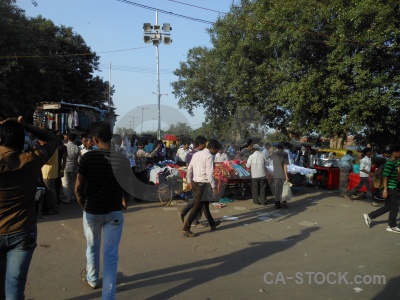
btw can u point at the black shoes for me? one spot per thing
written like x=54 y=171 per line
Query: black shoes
x=279 y=205
x=217 y=222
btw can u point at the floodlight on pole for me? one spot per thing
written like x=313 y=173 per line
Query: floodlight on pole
x=166 y=27
x=147 y=39
x=153 y=34
x=147 y=27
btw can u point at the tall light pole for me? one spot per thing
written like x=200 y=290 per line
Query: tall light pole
x=133 y=122
x=141 y=126
x=156 y=37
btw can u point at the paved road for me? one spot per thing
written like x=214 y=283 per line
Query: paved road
x=313 y=250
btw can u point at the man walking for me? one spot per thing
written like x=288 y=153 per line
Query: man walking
x=105 y=174
x=185 y=210
x=390 y=175
x=71 y=164
x=19 y=177
x=280 y=162
x=365 y=173
x=199 y=174
x=345 y=165
x=257 y=162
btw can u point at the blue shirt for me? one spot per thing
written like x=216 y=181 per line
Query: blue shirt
x=149 y=147
x=346 y=162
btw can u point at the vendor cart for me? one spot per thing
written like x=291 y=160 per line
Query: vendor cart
x=168 y=188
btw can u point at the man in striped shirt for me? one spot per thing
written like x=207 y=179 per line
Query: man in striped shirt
x=390 y=181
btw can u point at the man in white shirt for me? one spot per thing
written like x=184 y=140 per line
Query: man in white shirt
x=365 y=173
x=220 y=156
x=256 y=163
x=181 y=154
x=200 y=174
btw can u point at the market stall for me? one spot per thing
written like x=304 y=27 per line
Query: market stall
x=69 y=117
x=327 y=177
x=327 y=171
x=230 y=176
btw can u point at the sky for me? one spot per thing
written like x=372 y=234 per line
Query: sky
x=114 y=30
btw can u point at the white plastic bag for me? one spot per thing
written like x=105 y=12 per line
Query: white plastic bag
x=287 y=192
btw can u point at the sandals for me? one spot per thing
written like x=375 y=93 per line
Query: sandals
x=89 y=284
x=188 y=234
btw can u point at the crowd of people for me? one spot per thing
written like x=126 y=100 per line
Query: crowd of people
x=97 y=173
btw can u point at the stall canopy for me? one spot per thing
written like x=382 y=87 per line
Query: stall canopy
x=169 y=137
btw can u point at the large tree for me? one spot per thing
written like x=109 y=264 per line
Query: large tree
x=41 y=62
x=327 y=68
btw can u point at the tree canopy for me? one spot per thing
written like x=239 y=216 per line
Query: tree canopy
x=42 y=62
x=329 y=68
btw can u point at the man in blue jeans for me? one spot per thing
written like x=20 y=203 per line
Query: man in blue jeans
x=19 y=177
x=102 y=185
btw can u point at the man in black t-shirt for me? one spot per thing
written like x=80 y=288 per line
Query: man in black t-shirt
x=103 y=183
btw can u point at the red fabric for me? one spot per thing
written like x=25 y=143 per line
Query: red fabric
x=333 y=176
x=170 y=137
x=354 y=179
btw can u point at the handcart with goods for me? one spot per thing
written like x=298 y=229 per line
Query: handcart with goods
x=168 y=188
x=169 y=183
x=232 y=178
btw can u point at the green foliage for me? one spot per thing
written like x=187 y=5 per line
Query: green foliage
x=301 y=67
x=179 y=129
x=42 y=62
x=124 y=131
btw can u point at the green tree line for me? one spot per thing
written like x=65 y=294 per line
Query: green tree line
x=325 y=68
x=42 y=62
